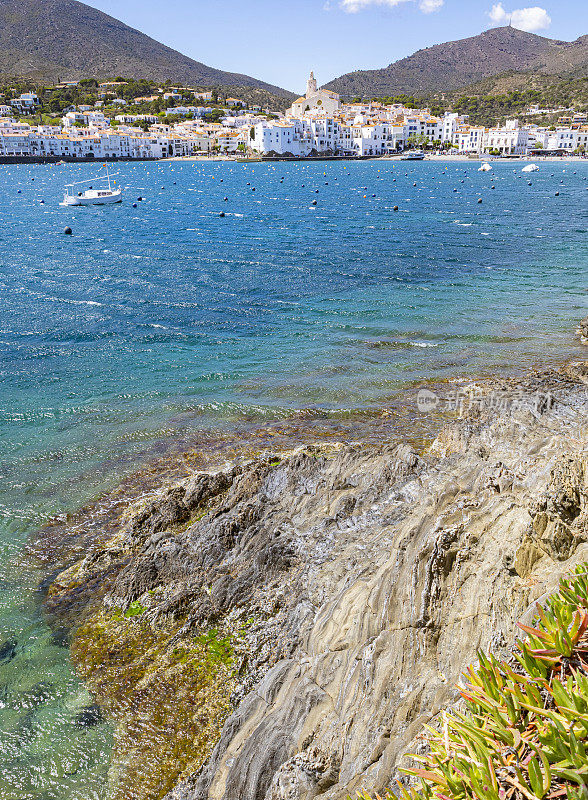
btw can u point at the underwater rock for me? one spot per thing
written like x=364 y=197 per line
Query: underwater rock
x=8 y=650
x=89 y=716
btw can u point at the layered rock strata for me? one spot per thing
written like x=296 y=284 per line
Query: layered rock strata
x=280 y=629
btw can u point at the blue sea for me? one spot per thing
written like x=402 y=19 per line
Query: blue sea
x=157 y=326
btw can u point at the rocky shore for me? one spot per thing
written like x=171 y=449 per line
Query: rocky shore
x=281 y=628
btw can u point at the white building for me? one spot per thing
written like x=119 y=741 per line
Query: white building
x=91 y=119
x=509 y=141
x=469 y=139
x=327 y=135
x=316 y=100
x=27 y=103
x=566 y=139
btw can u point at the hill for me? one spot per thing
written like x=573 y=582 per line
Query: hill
x=454 y=65
x=509 y=95
x=53 y=40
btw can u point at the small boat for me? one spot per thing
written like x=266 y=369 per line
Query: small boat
x=93 y=197
x=530 y=168
x=412 y=155
x=486 y=167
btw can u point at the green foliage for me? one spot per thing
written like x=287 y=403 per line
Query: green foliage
x=219 y=648
x=490 y=102
x=417 y=141
x=407 y=100
x=135 y=609
x=524 y=732
x=215 y=115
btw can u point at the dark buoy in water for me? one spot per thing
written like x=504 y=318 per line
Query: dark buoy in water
x=67 y=231
x=222 y=214
x=316 y=191
x=225 y=199
x=134 y=205
x=414 y=184
x=139 y=199
x=19 y=192
x=253 y=188
x=479 y=199
x=42 y=202
x=395 y=208
x=314 y=202
x=530 y=183
x=455 y=190
x=557 y=194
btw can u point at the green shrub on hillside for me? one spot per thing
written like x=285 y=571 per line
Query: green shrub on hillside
x=524 y=732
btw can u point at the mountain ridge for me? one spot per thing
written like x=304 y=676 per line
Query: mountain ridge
x=457 y=64
x=49 y=40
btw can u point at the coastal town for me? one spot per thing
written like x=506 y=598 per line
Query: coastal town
x=192 y=123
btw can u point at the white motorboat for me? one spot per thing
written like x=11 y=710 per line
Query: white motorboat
x=412 y=155
x=486 y=167
x=530 y=168
x=104 y=195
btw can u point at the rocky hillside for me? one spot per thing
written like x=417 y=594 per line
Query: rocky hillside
x=454 y=65
x=52 y=40
x=282 y=628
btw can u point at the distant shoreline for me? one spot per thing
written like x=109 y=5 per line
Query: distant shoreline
x=67 y=159
x=312 y=159
x=7 y=160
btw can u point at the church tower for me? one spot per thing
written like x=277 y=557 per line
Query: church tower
x=311 y=85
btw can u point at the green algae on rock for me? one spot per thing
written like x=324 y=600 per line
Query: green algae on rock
x=169 y=694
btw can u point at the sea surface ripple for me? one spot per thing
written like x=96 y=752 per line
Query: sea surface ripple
x=150 y=324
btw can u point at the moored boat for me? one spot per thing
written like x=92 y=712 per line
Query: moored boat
x=93 y=197
x=412 y=155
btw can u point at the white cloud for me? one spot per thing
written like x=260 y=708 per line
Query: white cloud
x=353 y=6
x=428 y=6
x=525 y=19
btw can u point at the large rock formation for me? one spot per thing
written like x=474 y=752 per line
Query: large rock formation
x=348 y=585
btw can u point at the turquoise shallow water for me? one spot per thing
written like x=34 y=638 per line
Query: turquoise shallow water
x=151 y=324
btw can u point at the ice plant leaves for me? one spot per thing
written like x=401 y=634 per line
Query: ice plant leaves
x=524 y=732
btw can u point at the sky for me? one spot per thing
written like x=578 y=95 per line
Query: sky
x=280 y=42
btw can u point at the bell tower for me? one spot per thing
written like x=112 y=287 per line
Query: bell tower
x=311 y=85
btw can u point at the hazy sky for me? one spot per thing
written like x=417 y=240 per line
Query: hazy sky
x=280 y=42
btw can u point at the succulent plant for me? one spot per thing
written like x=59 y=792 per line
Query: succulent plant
x=523 y=734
